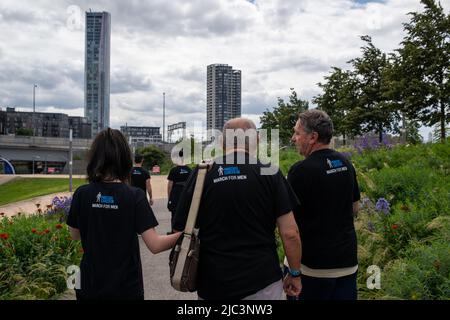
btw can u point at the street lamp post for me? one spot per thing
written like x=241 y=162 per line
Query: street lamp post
x=34 y=108
x=70 y=159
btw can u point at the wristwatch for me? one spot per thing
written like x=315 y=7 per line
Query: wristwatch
x=294 y=273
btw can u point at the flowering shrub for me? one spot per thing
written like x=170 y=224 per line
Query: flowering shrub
x=367 y=142
x=35 y=251
x=404 y=222
x=60 y=207
x=403 y=225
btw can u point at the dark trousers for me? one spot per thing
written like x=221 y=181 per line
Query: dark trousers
x=342 y=288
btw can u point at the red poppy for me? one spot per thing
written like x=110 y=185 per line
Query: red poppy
x=4 y=236
x=2 y=214
x=33 y=230
x=38 y=205
x=59 y=226
x=46 y=231
x=39 y=210
x=394 y=226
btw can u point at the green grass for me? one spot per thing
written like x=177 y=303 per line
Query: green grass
x=26 y=188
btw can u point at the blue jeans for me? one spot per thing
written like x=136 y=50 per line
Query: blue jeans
x=342 y=288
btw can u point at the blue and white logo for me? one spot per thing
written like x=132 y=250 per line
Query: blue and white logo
x=105 y=199
x=231 y=170
x=334 y=163
x=104 y=202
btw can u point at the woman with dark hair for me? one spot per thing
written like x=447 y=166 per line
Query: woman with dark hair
x=107 y=215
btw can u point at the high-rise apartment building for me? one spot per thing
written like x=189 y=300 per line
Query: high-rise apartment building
x=96 y=70
x=223 y=99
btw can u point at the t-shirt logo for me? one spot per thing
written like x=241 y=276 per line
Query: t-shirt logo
x=335 y=166
x=182 y=171
x=334 y=163
x=104 y=202
x=220 y=171
x=231 y=170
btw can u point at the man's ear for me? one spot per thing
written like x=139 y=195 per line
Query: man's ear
x=314 y=137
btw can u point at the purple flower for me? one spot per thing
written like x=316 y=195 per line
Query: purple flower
x=61 y=205
x=348 y=155
x=382 y=205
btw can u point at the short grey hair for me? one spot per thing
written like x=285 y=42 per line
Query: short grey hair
x=315 y=120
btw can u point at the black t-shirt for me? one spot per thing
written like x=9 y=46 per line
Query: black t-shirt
x=178 y=175
x=326 y=186
x=109 y=217
x=237 y=219
x=139 y=177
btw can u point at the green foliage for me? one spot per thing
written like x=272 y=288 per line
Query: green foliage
x=34 y=257
x=24 y=132
x=338 y=98
x=372 y=112
x=410 y=242
x=155 y=156
x=412 y=82
x=423 y=72
x=284 y=116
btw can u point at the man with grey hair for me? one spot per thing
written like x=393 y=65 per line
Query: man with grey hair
x=326 y=186
x=239 y=211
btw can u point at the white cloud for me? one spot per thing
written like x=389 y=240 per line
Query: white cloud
x=164 y=46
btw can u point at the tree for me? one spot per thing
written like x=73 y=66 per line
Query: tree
x=338 y=98
x=424 y=66
x=153 y=156
x=374 y=110
x=284 y=116
x=24 y=132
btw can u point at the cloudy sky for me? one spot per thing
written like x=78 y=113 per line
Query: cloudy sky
x=164 y=46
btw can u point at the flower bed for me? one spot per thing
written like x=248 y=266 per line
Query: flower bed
x=35 y=251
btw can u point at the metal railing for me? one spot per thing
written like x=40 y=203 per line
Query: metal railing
x=44 y=141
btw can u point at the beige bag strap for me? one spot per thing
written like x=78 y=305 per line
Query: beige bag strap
x=195 y=204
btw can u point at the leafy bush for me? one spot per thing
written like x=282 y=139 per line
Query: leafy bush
x=35 y=251
x=404 y=222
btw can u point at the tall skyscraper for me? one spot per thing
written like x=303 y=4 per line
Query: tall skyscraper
x=96 y=70
x=223 y=99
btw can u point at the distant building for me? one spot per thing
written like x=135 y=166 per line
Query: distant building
x=44 y=124
x=223 y=98
x=97 y=70
x=2 y=122
x=139 y=137
x=81 y=127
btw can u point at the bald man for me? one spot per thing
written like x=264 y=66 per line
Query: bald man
x=239 y=211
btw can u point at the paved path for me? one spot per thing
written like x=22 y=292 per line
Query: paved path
x=156 y=267
x=6 y=178
x=30 y=205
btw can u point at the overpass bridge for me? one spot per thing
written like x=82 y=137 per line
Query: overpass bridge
x=41 y=154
